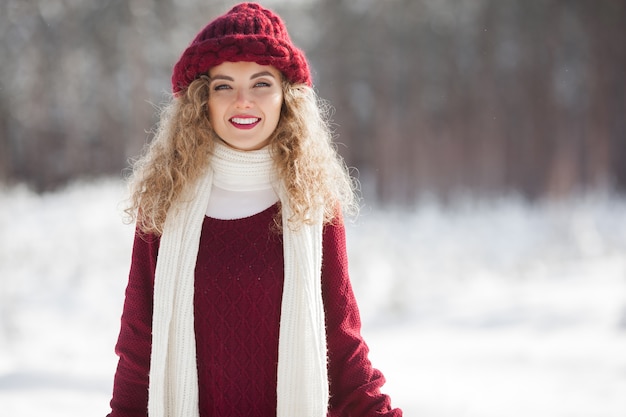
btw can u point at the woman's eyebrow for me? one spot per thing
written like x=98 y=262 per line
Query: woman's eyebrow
x=253 y=76
x=262 y=74
x=222 y=77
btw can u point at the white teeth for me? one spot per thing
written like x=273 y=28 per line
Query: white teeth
x=242 y=121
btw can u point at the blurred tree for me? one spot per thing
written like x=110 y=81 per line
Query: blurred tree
x=77 y=81
x=431 y=96
x=485 y=96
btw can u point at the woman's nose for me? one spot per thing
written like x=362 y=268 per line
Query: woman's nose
x=243 y=99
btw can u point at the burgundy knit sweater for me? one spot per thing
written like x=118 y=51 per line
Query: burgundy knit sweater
x=238 y=292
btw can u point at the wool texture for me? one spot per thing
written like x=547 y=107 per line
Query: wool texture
x=239 y=282
x=248 y=32
x=302 y=384
x=238 y=293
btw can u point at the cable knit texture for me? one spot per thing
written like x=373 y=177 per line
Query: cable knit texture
x=248 y=32
x=237 y=369
x=237 y=315
x=302 y=385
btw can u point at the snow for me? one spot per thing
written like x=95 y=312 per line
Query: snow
x=481 y=308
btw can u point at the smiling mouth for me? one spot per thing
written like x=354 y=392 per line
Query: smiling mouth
x=245 y=122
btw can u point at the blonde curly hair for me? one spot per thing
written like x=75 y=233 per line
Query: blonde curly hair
x=306 y=159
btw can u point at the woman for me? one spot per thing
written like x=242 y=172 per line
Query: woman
x=239 y=301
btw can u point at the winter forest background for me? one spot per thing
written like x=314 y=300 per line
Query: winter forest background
x=489 y=137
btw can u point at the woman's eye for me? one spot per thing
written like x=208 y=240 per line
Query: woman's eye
x=219 y=87
x=262 y=84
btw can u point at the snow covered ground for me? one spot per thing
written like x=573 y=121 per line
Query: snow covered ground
x=492 y=308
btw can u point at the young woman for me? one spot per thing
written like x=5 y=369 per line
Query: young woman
x=239 y=301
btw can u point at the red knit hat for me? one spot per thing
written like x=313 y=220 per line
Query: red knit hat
x=248 y=32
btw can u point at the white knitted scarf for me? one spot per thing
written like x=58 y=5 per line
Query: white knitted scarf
x=302 y=388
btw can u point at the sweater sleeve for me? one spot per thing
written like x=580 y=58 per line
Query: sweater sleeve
x=130 y=386
x=354 y=383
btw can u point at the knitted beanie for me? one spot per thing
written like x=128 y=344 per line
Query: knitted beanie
x=248 y=32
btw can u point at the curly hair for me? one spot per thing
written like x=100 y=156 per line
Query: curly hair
x=314 y=175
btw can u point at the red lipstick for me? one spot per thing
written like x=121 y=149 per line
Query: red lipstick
x=244 y=121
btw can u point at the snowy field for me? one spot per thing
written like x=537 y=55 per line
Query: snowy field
x=485 y=309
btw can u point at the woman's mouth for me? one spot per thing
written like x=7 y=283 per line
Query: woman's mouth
x=245 y=122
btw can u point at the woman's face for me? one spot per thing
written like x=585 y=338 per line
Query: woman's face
x=244 y=103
